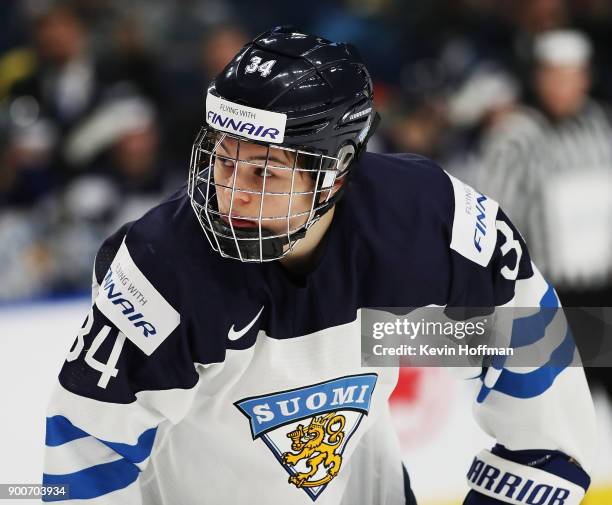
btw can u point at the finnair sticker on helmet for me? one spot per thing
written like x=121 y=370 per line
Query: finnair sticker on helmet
x=255 y=124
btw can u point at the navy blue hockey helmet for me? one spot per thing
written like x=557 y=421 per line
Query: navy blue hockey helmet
x=289 y=105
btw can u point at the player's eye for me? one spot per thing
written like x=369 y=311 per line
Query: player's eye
x=264 y=172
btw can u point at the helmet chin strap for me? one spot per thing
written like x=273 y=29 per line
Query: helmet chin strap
x=271 y=248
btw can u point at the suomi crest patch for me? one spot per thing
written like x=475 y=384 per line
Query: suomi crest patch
x=308 y=428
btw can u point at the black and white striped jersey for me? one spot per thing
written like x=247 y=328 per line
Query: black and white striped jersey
x=554 y=180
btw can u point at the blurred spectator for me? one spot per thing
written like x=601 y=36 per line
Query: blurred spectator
x=120 y=140
x=64 y=82
x=75 y=222
x=128 y=58
x=26 y=262
x=487 y=97
x=219 y=47
x=126 y=176
x=185 y=88
x=486 y=108
x=415 y=113
x=483 y=31
x=78 y=153
x=417 y=128
x=25 y=174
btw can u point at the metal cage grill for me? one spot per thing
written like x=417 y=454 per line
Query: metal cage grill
x=283 y=203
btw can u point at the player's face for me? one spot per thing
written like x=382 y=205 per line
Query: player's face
x=240 y=186
x=562 y=89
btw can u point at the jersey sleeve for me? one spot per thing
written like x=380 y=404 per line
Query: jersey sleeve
x=542 y=417
x=128 y=374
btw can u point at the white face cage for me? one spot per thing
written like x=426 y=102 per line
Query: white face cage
x=254 y=200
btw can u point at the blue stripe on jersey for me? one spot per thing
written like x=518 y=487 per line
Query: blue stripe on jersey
x=61 y=431
x=135 y=453
x=93 y=481
x=527 y=331
x=99 y=479
x=549 y=300
x=532 y=384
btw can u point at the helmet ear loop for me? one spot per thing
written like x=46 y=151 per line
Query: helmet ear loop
x=335 y=180
x=330 y=191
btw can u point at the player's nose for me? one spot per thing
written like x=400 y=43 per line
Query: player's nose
x=240 y=193
x=241 y=196
x=247 y=186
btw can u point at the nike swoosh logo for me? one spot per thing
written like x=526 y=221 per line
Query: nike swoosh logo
x=235 y=335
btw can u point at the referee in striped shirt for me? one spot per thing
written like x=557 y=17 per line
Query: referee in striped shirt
x=554 y=178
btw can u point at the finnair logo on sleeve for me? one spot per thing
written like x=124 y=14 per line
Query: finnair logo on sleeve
x=131 y=302
x=480 y=230
x=474 y=233
x=255 y=124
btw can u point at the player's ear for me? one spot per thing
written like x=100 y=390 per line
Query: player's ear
x=338 y=183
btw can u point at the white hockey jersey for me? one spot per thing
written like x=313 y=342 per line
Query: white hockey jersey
x=197 y=379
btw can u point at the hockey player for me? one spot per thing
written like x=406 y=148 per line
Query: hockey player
x=220 y=362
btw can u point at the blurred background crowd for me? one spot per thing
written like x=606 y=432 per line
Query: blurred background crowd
x=101 y=99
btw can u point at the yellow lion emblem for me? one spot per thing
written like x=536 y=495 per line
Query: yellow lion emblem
x=310 y=444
